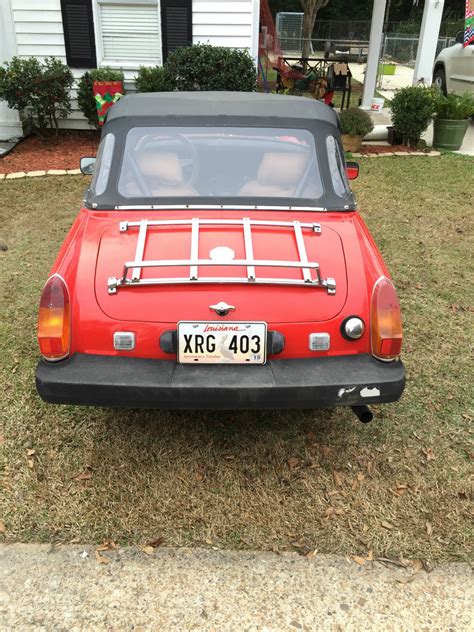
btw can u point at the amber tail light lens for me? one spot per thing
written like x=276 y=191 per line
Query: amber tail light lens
x=54 y=320
x=385 y=321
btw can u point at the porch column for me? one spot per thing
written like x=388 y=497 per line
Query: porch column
x=373 y=58
x=10 y=126
x=425 y=56
x=255 y=30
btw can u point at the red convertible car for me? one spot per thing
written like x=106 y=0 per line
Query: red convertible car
x=219 y=262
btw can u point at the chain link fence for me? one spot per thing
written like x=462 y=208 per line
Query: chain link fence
x=398 y=59
x=333 y=38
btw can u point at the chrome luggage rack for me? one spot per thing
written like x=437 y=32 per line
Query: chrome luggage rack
x=194 y=263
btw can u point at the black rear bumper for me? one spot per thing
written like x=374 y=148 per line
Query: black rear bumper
x=121 y=382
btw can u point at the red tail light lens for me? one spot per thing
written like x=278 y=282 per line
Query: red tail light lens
x=385 y=321
x=54 y=320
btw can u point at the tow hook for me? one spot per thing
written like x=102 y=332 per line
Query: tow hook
x=363 y=413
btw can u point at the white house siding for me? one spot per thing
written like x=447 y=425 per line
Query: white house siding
x=227 y=23
x=39 y=33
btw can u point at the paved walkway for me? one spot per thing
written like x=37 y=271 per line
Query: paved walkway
x=382 y=119
x=42 y=588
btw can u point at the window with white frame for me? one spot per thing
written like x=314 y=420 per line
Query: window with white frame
x=129 y=31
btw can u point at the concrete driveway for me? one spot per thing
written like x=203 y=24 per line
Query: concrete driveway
x=67 y=588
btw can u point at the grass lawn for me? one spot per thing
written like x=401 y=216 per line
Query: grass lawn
x=260 y=480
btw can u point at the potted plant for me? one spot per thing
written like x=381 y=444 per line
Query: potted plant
x=355 y=124
x=412 y=110
x=451 y=119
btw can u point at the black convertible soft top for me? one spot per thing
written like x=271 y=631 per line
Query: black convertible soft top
x=208 y=109
x=241 y=104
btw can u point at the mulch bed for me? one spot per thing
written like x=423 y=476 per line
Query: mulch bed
x=385 y=149
x=64 y=152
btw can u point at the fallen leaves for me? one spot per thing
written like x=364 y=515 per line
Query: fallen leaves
x=84 y=475
x=357 y=481
x=155 y=543
x=332 y=512
x=3 y=528
x=30 y=460
x=149 y=550
x=293 y=463
x=107 y=545
x=429 y=528
x=337 y=476
x=399 y=489
x=429 y=453
x=386 y=525
x=417 y=565
x=102 y=559
x=358 y=559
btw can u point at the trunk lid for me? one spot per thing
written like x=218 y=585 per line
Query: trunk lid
x=170 y=303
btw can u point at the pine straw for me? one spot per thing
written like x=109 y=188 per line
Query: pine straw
x=258 y=480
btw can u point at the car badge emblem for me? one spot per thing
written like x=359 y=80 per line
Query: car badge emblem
x=222 y=253
x=222 y=309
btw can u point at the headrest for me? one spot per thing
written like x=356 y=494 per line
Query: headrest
x=162 y=166
x=282 y=168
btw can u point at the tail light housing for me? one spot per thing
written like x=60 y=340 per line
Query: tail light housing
x=385 y=321
x=54 y=320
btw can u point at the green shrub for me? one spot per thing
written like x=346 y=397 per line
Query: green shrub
x=85 y=94
x=452 y=107
x=412 y=110
x=153 y=79
x=39 y=91
x=356 y=122
x=205 y=67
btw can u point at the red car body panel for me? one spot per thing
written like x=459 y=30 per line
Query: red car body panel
x=96 y=249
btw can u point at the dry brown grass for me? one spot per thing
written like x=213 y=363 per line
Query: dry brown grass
x=260 y=480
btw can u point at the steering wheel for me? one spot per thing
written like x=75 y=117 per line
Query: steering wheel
x=192 y=161
x=304 y=179
x=140 y=180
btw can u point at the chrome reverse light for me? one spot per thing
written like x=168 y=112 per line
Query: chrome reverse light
x=319 y=342
x=353 y=328
x=124 y=341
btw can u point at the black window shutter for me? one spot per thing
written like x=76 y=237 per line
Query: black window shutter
x=176 y=25
x=78 y=27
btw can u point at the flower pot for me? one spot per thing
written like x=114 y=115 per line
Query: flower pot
x=449 y=134
x=394 y=137
x=351 y=143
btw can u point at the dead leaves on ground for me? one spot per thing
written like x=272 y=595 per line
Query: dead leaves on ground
x=155 y=543
x=30 y=457
x=358 y=559
x=85 y=475
x=387 y=525
x=107 y=545
x=429 y=453
x=101 y=559
x=333 y=512
x=399 y=489
x=293 y=463
x=149 y=547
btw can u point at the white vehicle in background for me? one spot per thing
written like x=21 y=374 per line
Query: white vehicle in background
x=454 y=68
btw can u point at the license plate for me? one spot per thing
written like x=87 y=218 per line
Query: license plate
x=222 y=343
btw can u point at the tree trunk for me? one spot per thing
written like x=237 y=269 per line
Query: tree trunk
x=308 y=25
x=310 y=8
